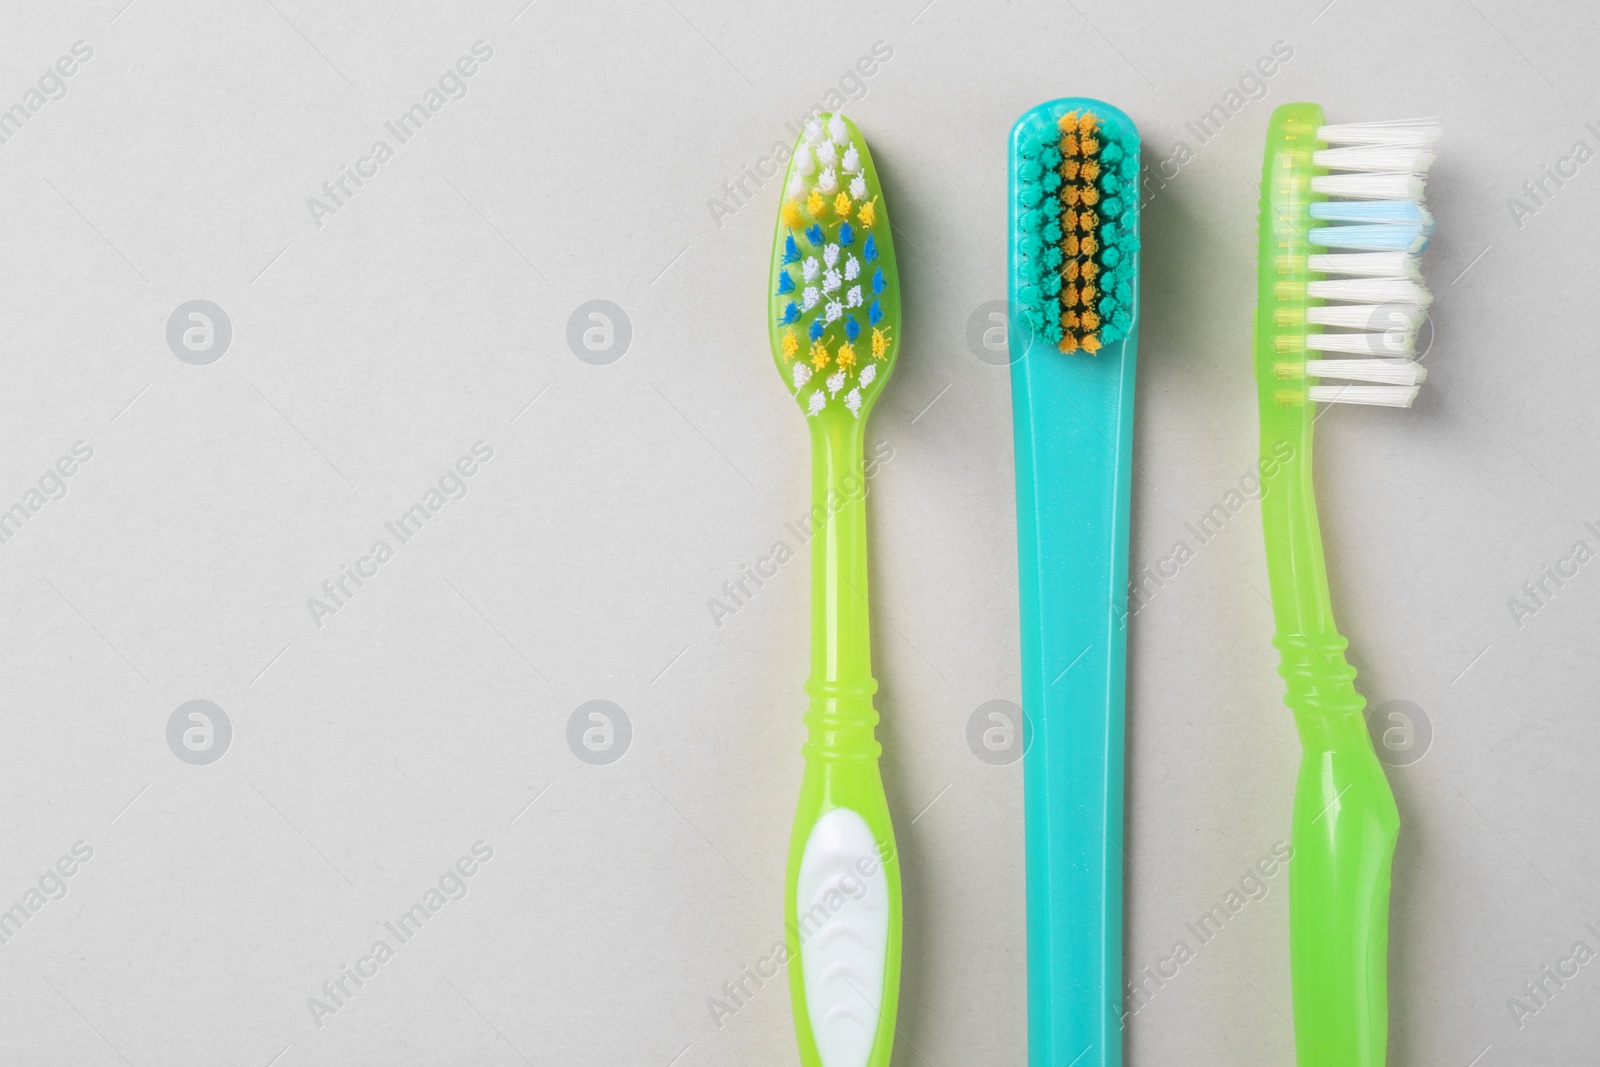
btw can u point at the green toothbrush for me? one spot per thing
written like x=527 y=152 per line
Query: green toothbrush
x=834 y=317
x=1340 y=300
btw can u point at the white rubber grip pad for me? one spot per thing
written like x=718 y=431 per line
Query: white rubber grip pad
x=842 y=905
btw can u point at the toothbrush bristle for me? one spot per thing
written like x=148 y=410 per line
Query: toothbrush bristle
x=1077 y=187
x=834 y=307
x=1375 y=228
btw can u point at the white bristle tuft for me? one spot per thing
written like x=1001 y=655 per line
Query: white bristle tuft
x=835 y=382
x=814 y=130
x=802 y=375
x=1379 y=317
x=858 y=187
x=852 y=160
x=1388 y=396
x=828 y=153
x=1396 y=185
x=804 y=161
x=1375 y=158
x=1367 y=264
x=1419 y=132
x=1371 y=291
x=815 y=403
x=1375 y=218
x=1381 y=371
x=837 y=130
x=1397 y=343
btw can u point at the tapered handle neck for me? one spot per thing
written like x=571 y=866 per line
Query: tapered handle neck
x=841 y=646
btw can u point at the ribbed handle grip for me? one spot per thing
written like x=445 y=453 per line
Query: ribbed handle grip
x=1345 y=826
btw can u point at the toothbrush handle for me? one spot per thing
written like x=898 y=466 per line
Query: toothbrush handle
x=842 y=906
x=1345 y=826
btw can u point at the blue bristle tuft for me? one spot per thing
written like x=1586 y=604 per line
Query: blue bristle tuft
x=791 y=313
x=879 y=282
x=847 y=236
x=815 y=332
x=814 y=234
x=791 y=251
x=875 y=313
x=785 y=283
x=869 y=251
x=852 y=329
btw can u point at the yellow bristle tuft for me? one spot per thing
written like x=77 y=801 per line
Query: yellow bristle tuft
x=841 y=205
x=791 y=345
x=867 y=212
x=819 y=354
x=847 y=355
x=791 y=214
x=815 y=204
x=880 y=343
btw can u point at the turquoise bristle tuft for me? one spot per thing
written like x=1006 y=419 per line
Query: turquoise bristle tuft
x=1077 y=225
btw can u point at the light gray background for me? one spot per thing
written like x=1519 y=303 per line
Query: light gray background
x=431 y=711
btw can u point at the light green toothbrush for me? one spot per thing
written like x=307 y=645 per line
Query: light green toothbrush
x=1340 y=299
x=834 y=318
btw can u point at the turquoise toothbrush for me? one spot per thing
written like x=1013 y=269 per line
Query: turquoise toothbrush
x=1074 y=275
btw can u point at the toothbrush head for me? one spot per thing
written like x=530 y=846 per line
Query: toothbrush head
x=1075 y=230
x=834 y=298
x=1343 y=227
